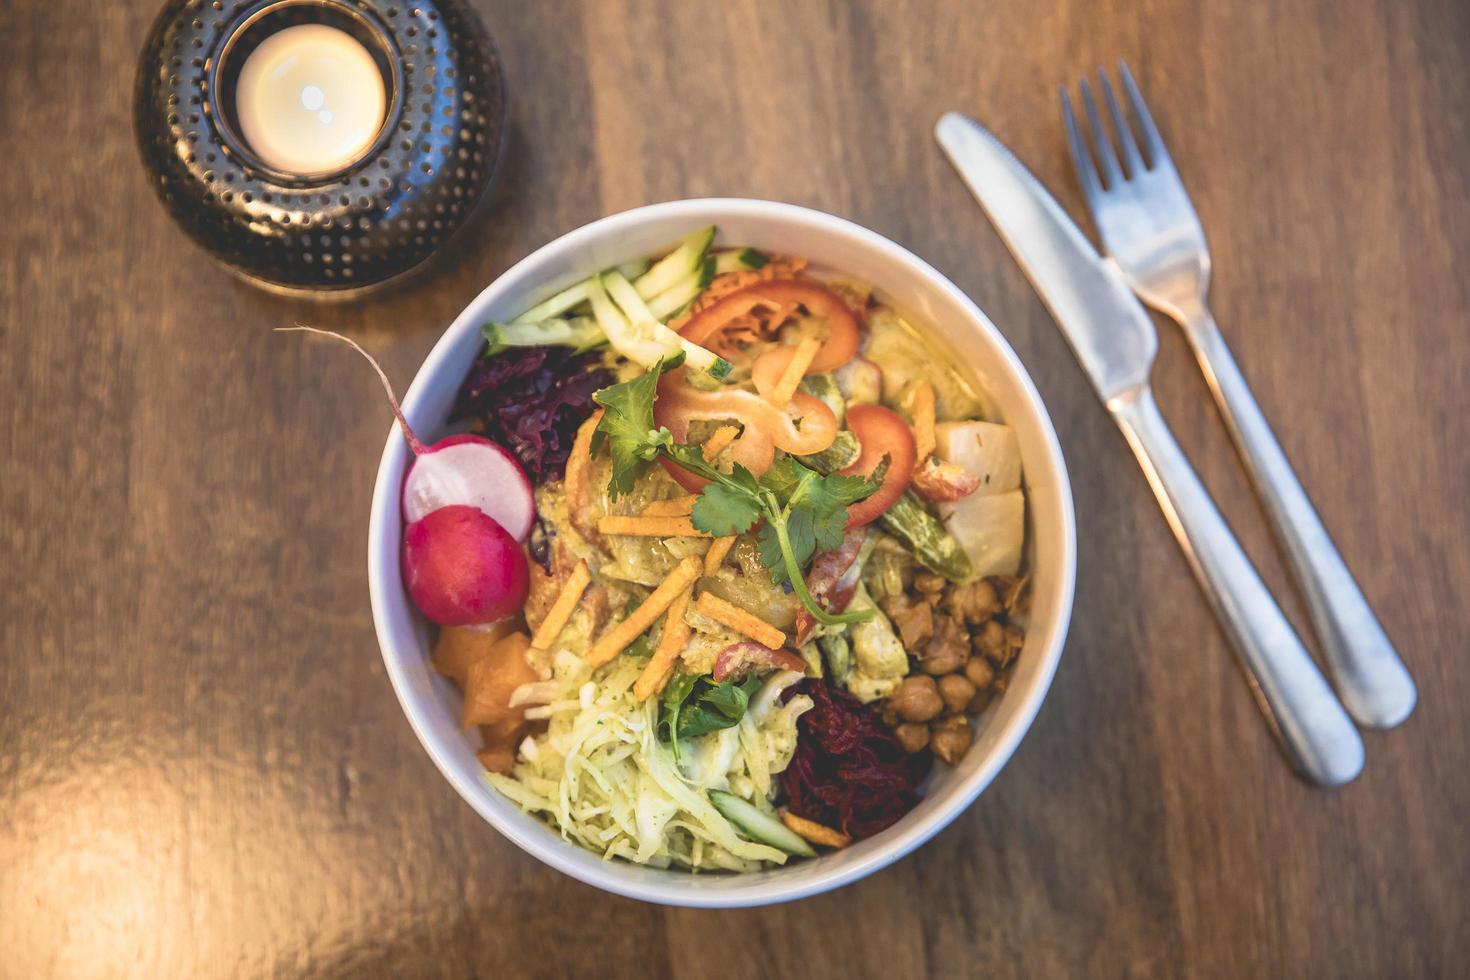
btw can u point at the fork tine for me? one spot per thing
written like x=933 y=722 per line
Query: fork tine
x=1081 y=162
x=1121 y=129
x=1100 y=141
x=1151 y=140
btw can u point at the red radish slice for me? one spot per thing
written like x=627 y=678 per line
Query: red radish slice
x=462 y=568
x=457 y=470
x=472 y=470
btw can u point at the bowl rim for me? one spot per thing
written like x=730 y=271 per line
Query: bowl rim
x=384 y=570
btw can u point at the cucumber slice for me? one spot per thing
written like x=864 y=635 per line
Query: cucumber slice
x=739 y=260
x=677 y=264
x=556 y=305
x=580 y=332
x=642 y=329
x=668 y=303
x=634 y=269
x=758 y=825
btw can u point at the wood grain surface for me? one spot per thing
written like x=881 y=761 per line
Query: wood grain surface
x=204 y=772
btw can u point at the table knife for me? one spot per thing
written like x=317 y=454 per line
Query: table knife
x=1115 y=342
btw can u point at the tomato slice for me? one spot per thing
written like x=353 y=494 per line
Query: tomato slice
x=842 y=340
x=881 y=432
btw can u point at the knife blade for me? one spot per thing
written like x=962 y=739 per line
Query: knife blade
x=1105 y=325
x=1115 y=342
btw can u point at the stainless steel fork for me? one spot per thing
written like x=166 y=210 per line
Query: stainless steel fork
x=1151 y=230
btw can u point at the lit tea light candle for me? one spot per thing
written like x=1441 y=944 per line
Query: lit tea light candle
x=309 y=99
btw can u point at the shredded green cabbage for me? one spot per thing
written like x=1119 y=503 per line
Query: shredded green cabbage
x=601 y=776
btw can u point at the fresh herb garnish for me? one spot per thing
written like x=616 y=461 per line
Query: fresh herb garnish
x=694 y=705
x=802 y=509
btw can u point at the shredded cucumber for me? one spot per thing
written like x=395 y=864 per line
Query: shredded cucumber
x=635 y=333
x=739 y=260
x=759 y=825
x=671 y=301
x=581 y=333
x=675 y=266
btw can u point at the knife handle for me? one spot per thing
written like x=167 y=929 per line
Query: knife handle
x=1318 y=737
x=1375 y=684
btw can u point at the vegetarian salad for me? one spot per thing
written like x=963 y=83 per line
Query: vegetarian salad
x=726 y=555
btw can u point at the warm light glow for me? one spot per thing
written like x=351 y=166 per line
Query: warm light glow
x=309 y=99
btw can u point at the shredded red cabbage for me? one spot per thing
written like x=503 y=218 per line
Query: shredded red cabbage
x=531 y=400
x=849 y=771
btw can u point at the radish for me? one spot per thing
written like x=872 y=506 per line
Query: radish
x=462 y=568
x=463 y=469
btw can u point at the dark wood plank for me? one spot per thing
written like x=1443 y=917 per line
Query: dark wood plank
x=203 y=770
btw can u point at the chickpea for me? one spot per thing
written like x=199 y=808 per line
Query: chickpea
x=956 y=691
x=951 y=738
x=912 y=736
x=980 y=673
x=991 y=641
x=980 y=702
x=916 y=699
x=941 y=660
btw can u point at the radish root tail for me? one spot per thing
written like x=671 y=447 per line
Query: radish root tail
x=413 y=441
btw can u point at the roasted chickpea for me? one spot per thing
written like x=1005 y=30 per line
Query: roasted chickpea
x=912 y=736
x=956 y=691
x=916 y=699
x=979 y=672
x=991 y=642
x=951 y=738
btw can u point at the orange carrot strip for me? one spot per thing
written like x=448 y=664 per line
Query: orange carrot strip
x=795 y=370
x=677 y=507
x=675 y=637
x=715 y=556
x=649 y=527
x=717 y=442
x=728 y=614
x=814 y=832
x=618 y=638
x=562 y=609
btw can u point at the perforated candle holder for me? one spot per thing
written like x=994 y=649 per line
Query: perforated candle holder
x=375 y=217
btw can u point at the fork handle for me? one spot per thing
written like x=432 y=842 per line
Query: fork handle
x=1317 y=735
x=1374 y=683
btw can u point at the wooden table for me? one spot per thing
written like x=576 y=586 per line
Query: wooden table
x=203 y=771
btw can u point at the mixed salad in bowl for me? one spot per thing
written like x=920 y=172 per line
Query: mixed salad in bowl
x=726 y=555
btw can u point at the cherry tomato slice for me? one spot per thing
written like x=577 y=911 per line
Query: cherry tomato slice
x=881 y=432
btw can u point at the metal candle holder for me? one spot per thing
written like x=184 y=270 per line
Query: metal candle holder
x=364 y=224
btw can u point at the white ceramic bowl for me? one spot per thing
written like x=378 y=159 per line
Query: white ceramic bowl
x=432 y=703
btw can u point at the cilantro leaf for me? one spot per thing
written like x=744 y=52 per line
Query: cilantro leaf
x=722 y=509
x=627 y=426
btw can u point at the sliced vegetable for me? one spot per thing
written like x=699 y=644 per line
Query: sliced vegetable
x=761 y=827
x=635 y=333
x=673 y=300
x=469 y=469
x=936 y=548
x=833 y=578
x=579 y=333
x=677 y=265
x=882 y=434
x=461 y=567
x=987 y=450
x=842 y=339
x=739 y=260
x=991 y=527
x=555 y=306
